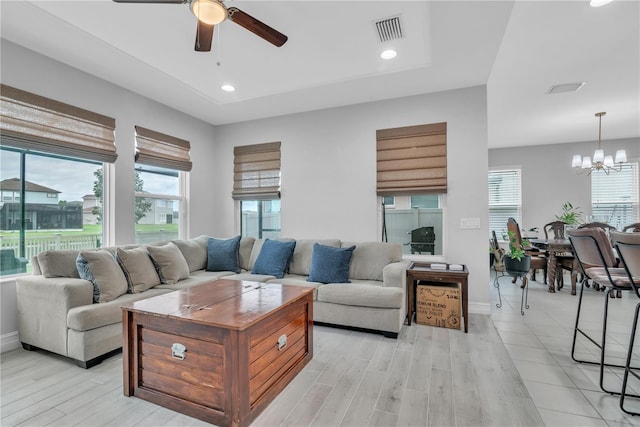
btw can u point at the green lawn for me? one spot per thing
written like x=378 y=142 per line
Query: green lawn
x=90 y=229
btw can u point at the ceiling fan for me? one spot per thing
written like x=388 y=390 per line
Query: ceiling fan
x=214 y=12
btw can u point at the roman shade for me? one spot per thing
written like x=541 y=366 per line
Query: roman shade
x=165 y=151
x=412 y=160
x=33 y=122
x=256 y=172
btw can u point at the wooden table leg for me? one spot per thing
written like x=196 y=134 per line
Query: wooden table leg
x=551 y=271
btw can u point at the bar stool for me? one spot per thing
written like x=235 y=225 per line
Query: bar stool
x=628 y=247
x=594 y=253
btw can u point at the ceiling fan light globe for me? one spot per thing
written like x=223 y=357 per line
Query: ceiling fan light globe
x=210 y=12
x=599 y=3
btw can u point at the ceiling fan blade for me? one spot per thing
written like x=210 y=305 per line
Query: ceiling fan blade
x=151 y=1
x=204 y=37
x=258 y=28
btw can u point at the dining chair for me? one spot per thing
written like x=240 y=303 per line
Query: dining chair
x=593 y=250
x=538 y=257
x=564 y=261
x=633 y=228
x=628 y=247
x=602 y=225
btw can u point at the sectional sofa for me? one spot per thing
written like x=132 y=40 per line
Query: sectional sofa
x=63 y=313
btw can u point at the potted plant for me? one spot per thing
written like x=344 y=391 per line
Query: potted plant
x=571 y=216
x=517 y=263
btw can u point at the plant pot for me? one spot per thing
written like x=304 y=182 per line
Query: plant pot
x=517 y=268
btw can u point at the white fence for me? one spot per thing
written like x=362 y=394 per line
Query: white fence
x=35 y=245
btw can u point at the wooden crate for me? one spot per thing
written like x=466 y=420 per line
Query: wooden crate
x=438 y=305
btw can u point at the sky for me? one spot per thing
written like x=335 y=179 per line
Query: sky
x=72 y=179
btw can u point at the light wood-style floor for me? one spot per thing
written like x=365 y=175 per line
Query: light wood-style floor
x=508 y=370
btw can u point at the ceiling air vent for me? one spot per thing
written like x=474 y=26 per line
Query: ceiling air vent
x=389 y=29
x=565 y=87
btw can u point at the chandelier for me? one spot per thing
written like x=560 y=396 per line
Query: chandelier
x=601 y=162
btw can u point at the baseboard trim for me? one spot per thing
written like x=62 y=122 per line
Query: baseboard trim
x=480 y=307
x=9 y=341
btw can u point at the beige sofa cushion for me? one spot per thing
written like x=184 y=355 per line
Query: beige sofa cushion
x=102 y=270
x=303 y=253
x=246 y=246
x=370 y=258
x=93 y=316
x=138 y=269
x=58 y=263
x=361 y=293
x=194 y=251
x=170 y=262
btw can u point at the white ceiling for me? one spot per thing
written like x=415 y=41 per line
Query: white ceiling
x=519 y=49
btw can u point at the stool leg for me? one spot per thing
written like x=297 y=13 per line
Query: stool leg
x=627 y=367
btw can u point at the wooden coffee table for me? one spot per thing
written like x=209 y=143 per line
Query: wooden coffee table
x=220 y=351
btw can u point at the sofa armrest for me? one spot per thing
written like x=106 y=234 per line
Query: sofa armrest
x=395 y=275
x=43 y=304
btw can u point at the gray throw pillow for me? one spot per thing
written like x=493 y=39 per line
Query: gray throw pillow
x=102 y=270
x=194 y=251
x=138 y=269
x=58 y=263
x=170 y=263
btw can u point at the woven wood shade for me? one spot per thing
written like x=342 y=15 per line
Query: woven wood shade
x=256 y=172
x=412 y=160
x=165 y=151
x=33 y=122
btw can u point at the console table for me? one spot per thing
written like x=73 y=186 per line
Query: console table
x=423 y=271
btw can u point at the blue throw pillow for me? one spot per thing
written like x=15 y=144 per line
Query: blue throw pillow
x=329 y=264
x=274 y=258
x=223 y=255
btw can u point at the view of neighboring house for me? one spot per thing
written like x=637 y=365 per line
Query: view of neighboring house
x=42 y=208
x=89 y=204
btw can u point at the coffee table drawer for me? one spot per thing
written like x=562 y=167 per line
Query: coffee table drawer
x=199 y=375
x=274 y=348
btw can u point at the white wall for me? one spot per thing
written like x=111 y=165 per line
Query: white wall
x=27 y=70
x=329 y=172
x=548 y=180
x=328 y=161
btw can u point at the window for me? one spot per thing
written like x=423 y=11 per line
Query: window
x=158 y=203
x=42 y=223
x=256 y=185
x=411 y=176
x=614 y=197
x=389 y=201
x=416 y=223
x=162 y=162
x=505 y=200
x=260 y=218
x=49 y=147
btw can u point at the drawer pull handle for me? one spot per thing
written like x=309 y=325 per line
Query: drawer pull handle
x=178 y=351
x=282 y=342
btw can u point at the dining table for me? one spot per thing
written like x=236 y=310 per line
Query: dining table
x=553 y=247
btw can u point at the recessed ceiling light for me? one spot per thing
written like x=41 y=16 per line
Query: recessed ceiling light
x=388 y=54
x=227 y=88
x=598 y=3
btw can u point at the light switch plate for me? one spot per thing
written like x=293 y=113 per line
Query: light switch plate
x=470 y=223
